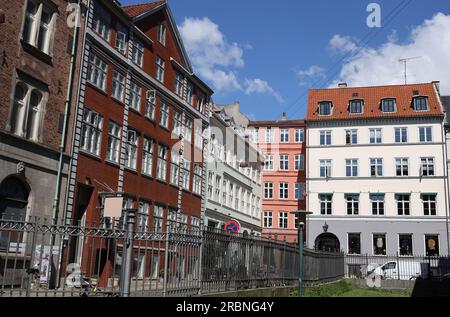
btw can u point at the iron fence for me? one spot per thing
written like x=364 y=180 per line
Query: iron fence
x=396 y=267
x=38 y=259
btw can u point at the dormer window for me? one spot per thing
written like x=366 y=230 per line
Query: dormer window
x=356 y=106
x=325 y=108
x=420 y=103
x=388 y=105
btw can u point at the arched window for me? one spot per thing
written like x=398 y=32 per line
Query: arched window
x=18 y=110
x=33 y=115
x=13 y=199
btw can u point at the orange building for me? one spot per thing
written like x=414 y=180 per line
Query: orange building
x=284 y=179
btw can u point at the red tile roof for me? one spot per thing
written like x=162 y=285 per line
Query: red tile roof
x=138 y=9
x=372 y=97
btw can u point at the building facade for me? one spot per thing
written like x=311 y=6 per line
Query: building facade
x=141 y=113
x=234 y=189
x=376 y=178
x=36 y=77
x=283 y=144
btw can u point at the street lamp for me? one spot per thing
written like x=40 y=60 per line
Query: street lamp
x=301 y=226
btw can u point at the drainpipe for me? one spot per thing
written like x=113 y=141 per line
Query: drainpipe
x=68 y=102
x=446 y=187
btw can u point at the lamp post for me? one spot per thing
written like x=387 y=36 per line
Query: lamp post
x=301 y=226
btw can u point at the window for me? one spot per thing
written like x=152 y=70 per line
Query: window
x=375 y=136
x=97 y=72
x=121 y=39
x=177 y=124
x=188 y=130
x=284 y=162
x=268 y=190
x=356 y=106
x=197 y=181
x=210 y=185
x=150 y=104
x=143 y=213
x=147 y=157
x=405 y=244
x=268 y=166
x=325 y=137
x=101 y=21
x=198 y=136
x=179 y=84
x=429 y=204
x=283 y=220
x=160 y=66
x=351 y=137
x=161 y=170
x=26 y=111
x=91 y=132
x=352 y=204
x=326 y=204
x=388 y=105
x=379 y=244
x=118 y=86
x=401 y=135
x=377 y=201
x=113 y=149
x=189 y=93
x=39 y=26
x=299 y=162
x=162 y=34
x=299 y=191
x=354 y=243
x=427 y=166
x=131 y=149
x=425 y=134
x=325 y=168
x=158 y=214
x=284 y=136
x=268 y=219
x=171 y=220
x=270 y=136
x=164 y=120
x=420 y=103
x=195 y=225
x=200 y=103
x=185 y=174
x=432 y=245
x=135 y=96
x=403 y=204
x=402 y=166
x=218 y=188
x=175 y=168
x=224 y=192
x=325 y=108
x=299 y=135
x=137 y=52
x=182 y=223
x=376 y=167
x=351 y=168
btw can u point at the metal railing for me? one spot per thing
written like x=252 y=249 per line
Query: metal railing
x=38 y=259
x=397 y=267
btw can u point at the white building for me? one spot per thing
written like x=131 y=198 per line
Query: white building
x=234 y=179
x=376 y=171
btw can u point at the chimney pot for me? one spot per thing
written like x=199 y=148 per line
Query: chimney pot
x=342 y=85
x=283 y=117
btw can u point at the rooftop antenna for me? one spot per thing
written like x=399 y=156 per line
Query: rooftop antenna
x=405 y=61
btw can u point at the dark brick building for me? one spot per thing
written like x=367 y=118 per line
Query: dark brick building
x=35 y=51
x=138 y=98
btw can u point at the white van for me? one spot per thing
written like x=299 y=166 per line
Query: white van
x=405 y=270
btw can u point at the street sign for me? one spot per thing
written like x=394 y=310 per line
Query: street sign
x=232 y=227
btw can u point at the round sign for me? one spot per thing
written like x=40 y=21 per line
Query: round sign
x=232 y=227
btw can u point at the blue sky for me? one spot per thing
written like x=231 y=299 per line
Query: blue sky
x=266 y=54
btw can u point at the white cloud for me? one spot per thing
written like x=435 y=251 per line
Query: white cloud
x=377 y=66
x=313 y=71
x=260 y=86
x=218 y=60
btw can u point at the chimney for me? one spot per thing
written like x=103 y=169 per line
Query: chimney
x=342 y=85
x=283 y=116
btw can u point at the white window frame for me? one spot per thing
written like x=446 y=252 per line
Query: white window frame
x=147 y=156
x=283 y=191
x=97 y=71
x=91 y=135
x=284 y=136
x=118 y=86
x=160 y=69
x=377 y=136
x=402 y=132
x=162 y=33
x=114 y=141
x=165 y=113
x=131 y=149
x=137 y=52
x=161 y=170
x=427 y=134
x=284 y=162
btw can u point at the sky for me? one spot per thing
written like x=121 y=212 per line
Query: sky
x=266 y=54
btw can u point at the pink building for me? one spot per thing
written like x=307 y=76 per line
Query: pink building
x=284 y=179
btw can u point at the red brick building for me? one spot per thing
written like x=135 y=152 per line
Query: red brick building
x=138 y=94
x=35 y=58
x=284 y=178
